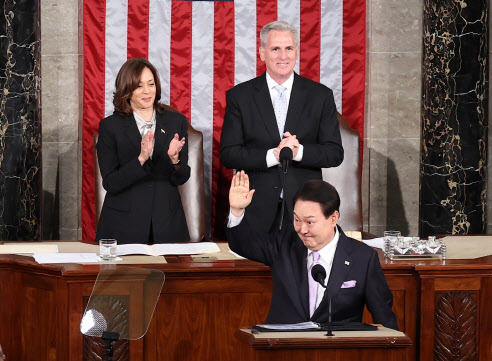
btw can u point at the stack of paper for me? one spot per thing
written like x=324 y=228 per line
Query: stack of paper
x=43 y=258
x=185 y=248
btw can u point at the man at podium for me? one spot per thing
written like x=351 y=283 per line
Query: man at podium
x=354 y=277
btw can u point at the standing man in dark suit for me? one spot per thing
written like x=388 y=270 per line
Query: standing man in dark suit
x=354 y=275
x=275 y=110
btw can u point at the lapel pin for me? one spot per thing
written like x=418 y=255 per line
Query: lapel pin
x=163 y=131
x=347 y=263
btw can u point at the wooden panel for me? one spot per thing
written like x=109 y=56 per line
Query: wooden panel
x=405 y=306
x=456 y=326
x=203 y=303
x=457 y=283
x=369 y=348
x=332 y=355
x=186 y=330
x=427 y=320
x=39 y=331
x=485 y=330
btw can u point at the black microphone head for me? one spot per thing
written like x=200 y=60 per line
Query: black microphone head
x=318 y=273
x=285 y=154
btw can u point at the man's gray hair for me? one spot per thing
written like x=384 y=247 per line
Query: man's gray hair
x=278 y=25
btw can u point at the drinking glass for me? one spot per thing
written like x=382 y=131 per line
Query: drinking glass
x=107 y=249
x=389 y=240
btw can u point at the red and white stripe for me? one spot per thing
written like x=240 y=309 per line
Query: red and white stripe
x=203 y=48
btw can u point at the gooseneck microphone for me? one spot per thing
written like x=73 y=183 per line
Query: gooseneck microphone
x=318 y=273
x=285 y=157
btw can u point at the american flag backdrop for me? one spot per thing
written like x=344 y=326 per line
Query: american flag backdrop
x=203 y=48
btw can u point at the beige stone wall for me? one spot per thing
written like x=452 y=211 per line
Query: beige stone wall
x=392 y=124
x=392 y=133
x=61 y=89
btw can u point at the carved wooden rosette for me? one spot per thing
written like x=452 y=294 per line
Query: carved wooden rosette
x=455 y=327
x=117 y=308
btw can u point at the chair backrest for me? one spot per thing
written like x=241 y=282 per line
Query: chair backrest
x=346 y=178
x=192 y=192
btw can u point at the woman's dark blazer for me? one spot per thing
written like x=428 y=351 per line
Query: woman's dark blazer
x=140 y=197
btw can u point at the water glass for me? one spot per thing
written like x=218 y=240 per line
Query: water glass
x=107 y=249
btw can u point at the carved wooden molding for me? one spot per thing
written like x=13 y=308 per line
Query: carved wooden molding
x=455 y=327
x=117 y=308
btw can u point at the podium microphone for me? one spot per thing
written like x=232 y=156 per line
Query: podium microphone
x=318 y=273
x=285 y=157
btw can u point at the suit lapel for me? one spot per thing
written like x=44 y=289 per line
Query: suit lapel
x=299 y=261
x=264 y=104
x=296 y=104
x=132 y=132
x=341 y=266
x=162 y=133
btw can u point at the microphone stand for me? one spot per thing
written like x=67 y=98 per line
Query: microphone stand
x=109 y=338
x=285 y=157
x=319 y=274
x=282 y=209
x=329 y=326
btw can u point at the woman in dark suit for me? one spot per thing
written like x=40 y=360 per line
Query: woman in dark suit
x=143 y=157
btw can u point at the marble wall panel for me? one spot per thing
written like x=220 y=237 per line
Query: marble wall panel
x=489 y=152
x=454 y=118
x=20 y=125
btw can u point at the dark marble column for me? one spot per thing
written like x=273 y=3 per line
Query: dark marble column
x=20 y=124
x=453 y=178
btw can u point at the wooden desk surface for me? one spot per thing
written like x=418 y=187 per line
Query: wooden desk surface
x=197 y=314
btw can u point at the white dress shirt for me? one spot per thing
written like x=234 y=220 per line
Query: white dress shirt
x=326 y=255
x=270 y=157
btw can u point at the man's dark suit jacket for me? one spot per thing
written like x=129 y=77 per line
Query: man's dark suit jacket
x=286 y=255
x=250 y=129
x=139 y=197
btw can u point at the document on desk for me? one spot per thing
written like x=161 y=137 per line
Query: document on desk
x=27 y=248
x=46 y=258
x=375 y=242
x=303 y=326
x=128 y=249
x=163 y=249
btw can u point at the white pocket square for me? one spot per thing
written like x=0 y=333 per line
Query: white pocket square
x=349 y=284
